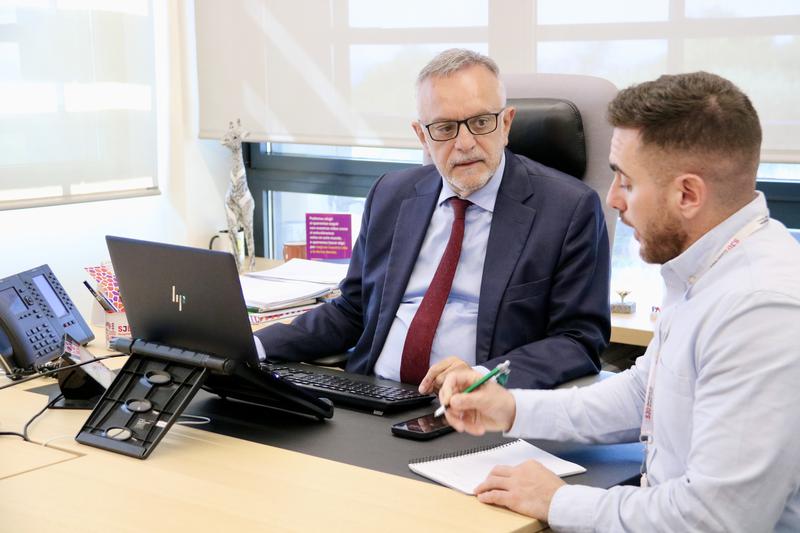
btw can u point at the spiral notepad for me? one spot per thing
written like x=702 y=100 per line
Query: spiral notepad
x=465 y=470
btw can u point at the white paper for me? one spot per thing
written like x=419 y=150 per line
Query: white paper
x=276 y=294
x=304 y=270
x=465 y=472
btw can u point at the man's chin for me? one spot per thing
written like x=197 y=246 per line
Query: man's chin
x=467 y=182
x=645 y=257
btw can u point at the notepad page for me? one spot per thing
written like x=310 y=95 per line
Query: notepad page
x=465 y=472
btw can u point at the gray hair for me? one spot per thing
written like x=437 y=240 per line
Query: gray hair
x=453 y=60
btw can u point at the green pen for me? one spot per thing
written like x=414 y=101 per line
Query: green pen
x=501 y=371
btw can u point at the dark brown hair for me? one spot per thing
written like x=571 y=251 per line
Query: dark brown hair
x=700 y=115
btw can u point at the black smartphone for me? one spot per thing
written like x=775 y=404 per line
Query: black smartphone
x=422 y=428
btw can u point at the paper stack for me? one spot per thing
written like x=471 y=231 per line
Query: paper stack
x=330 y=274
x=297 y=282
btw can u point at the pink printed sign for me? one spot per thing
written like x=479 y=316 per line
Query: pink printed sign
x=107 y=283
x=328 y=236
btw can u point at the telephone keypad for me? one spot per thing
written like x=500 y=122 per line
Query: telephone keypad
x=41 y=339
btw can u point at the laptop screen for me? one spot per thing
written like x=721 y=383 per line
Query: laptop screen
x=183 y=297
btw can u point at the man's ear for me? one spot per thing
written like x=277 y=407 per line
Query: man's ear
x=692 y=192
x=420 y=132
x=508 y=117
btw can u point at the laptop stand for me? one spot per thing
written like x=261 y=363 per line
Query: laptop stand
x=147 y=396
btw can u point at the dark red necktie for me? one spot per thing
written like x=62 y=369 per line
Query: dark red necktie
x=417 y=348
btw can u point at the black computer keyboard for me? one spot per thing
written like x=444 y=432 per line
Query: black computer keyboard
x=353 y=390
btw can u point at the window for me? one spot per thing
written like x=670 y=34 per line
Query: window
x=289 y=209
x=780 y=184
x=631 y=274
x=345 y=76
x=287 y=181
x=77 y=101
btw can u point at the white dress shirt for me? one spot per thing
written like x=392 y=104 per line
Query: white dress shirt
x=457 y=331
x=725 y=454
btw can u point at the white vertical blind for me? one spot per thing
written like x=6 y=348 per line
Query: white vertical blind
x=342 y=72
x=77 y=100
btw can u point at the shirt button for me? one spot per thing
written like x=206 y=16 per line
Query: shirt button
x=692 y=279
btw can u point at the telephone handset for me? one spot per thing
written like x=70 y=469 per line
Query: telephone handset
x=35 y=313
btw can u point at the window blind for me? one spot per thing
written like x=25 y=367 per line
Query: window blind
x=77 y=104
x=342 y=72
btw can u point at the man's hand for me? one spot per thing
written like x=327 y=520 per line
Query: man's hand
x=433 y=380
x=527 y=488
x=488 y=408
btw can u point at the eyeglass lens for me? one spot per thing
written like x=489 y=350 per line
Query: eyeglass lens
x=479 y=125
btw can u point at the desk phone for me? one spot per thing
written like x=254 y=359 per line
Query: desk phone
x=35 y=313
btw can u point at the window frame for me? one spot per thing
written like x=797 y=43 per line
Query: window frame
x=341 y=176
x=269 y=172
x=783 y=200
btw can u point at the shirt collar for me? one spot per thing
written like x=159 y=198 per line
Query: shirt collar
x=484 y=197
x=687 y=265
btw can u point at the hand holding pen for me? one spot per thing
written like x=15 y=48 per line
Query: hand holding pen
x=476 y=404
x=104 y=302
x=501 y=371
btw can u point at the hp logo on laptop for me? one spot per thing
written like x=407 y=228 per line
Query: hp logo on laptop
x=179 y=299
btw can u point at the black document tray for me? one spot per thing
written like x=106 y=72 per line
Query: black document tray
x=135 y=413
x=158 y=382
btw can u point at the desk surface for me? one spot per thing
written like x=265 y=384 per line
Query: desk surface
x=342 y=439
x=251 y=468
x=635 y=329
x=201 y=481
x=18 y=457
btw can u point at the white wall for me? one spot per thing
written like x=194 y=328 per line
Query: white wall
x=192 y=179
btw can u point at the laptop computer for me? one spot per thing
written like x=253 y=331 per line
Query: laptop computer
x=190 y=298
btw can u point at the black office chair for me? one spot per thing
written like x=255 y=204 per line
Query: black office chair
x=550 y=131
x=561 y=122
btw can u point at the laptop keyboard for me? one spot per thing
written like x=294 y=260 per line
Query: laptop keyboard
x=378 y=397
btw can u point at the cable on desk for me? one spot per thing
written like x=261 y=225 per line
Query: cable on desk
x=60 y=369
x=46 y=443
x=195 y=420
x=24 y=434
x=50 y=404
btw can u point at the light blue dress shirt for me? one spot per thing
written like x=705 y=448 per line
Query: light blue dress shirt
x=725 y=454
x=457 y=331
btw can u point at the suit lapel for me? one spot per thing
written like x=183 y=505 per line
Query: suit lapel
x=512 y=221
x=409 y=231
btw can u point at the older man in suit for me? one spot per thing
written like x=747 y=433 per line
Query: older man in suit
x=481 y=257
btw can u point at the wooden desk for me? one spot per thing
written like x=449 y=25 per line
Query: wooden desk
x=18 y=457
x=635 y=329
x=202 y=481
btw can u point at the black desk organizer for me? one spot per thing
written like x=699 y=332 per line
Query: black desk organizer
x=147 y=396
x=158 y=382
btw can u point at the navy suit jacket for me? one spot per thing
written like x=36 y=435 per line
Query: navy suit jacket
x=544 y=293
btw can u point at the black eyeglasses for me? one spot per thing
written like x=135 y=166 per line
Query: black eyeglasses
x=477 y=125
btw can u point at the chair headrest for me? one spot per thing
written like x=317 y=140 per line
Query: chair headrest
x=549 y=131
